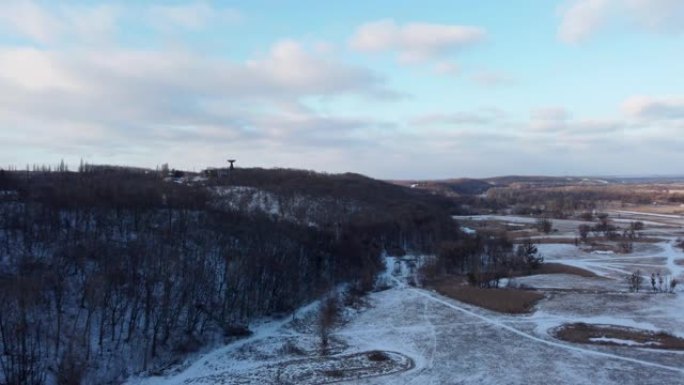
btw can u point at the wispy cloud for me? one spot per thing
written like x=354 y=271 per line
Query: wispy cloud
x=650 y=108
x=63 y=22
x=479 y=117
x=194 y=15
x=415 y=42
x=581 y=19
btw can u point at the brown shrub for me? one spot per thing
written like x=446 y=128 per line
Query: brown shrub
x=559 y=268
x=512 y=301
x=584 y=333
x=378 y=356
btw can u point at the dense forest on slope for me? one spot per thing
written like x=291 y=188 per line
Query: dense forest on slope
x=110 y=271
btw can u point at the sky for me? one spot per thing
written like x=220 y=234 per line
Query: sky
x=392 y=89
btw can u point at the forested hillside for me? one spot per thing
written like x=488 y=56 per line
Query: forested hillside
x=108 y=271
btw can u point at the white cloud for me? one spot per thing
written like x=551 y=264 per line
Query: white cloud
x=34 y=70
x=107 y=100
x=557 y=121
x=72 y=94
x=62 y=23
x=27 y=19
x=415 y=42
x=549 y=119
x=583 y=18
x=91 y=23
x=290 y=66
x=648 y=108
x=479 y=117
x=51 y=23
x=191 y=16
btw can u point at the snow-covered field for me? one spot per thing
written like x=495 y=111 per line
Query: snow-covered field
x=430 y=339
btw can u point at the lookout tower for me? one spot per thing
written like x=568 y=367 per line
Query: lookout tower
x=231 y=161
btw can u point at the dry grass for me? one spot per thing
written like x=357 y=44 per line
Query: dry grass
x=551 y=239
x=511 y=301
x=584 y=333
x=649 y=240
x=559 y=268
x=672 y=209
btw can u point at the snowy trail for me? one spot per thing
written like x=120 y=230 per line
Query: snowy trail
x=670 y=216
x=199 y=367
x=615 y=258
x=433 y=337
x=666 y=257
x=672 y=254
x=520 y=333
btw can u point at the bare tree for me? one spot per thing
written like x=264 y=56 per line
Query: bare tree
x=529 y=253
x=327 y=317
x=544 y=225
x=584 y=230
x=634 y=281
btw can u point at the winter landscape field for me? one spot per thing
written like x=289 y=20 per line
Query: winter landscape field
x=283 y=276
x=385 y=192
x=426 y=338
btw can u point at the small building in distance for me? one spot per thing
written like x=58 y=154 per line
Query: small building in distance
x=212 y=172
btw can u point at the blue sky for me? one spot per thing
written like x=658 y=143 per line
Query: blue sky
x=391 y=89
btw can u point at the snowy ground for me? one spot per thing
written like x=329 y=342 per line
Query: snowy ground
x=431 y=339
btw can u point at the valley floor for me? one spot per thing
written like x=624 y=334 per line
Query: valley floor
x=430 y=339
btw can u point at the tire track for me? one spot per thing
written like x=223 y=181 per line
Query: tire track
x=543 y=341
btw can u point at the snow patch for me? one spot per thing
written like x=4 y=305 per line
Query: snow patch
x=619 y=341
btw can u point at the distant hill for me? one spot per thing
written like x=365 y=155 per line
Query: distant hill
x=472 y=186
x=451 y=187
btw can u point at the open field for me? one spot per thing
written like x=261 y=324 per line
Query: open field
x=435 y=339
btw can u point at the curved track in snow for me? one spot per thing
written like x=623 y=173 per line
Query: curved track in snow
x=520 y=333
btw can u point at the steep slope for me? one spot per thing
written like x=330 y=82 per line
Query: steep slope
x=113 y=271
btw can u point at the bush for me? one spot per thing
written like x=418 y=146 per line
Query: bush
x=635 y=281
x=291 y=348
x=544 y=225
x=584 y=230
x=378 y=356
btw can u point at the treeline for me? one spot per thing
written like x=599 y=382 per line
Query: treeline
x=484 y=258
x=373 y=193
x=106 y=272
x=564 y=202
x=399 y=217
